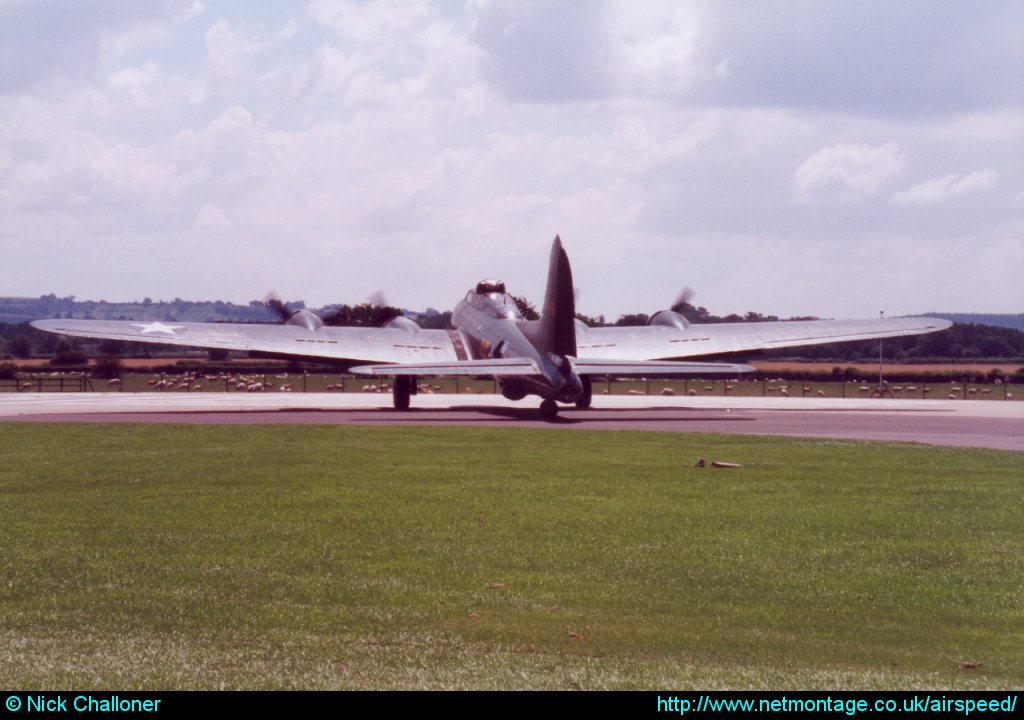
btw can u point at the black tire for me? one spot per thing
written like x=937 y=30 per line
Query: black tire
x=549 y=409
x=402 y=391
x=583 y=401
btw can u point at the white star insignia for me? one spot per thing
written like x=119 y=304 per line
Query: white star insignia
x=158 y=327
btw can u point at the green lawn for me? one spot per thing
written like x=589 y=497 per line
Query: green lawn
x=156 y=556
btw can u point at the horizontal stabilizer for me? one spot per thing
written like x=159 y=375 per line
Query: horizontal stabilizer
x=497 y=367
x=656 y=367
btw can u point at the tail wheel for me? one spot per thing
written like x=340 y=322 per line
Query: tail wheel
x=403 y=389
x=583 y=401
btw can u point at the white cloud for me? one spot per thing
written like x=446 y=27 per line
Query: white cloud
x=42 y=40
x=938 y=189
x=847 y=171
x=653 y=47
x=228 y=50
x=143 y=89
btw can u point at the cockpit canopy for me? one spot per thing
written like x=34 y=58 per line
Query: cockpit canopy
x=486 y=287
x=490 y=294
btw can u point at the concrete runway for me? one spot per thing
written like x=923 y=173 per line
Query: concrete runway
x=959 y=423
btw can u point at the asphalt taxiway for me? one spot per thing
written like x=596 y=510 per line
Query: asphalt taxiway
x=959 y=423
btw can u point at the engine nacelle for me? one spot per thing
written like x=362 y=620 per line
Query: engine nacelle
x=512 y=391
x=401 y=322
x=305 y=318
x=670 y=318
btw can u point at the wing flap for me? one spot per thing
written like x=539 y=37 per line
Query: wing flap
x=642 y=368
x=496 y=367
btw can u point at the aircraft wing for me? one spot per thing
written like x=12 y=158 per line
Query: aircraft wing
x=663 y=342
x=341 y=344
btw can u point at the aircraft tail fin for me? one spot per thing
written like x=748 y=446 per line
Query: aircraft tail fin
x=557 y=329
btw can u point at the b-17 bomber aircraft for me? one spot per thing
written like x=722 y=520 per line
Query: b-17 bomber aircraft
x=555 y=357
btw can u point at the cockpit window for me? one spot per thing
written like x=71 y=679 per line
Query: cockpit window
x=508 y=309
x=486 y=287
x=490 y=294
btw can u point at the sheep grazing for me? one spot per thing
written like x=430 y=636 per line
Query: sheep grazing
x=784 y=392
x=693 y=393
x=114 y=382
x=820 y=393
x=668 y=392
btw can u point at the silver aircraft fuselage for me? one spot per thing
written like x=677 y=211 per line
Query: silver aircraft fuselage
x=495 y=328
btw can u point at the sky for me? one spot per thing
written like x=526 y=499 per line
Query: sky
x=795 y=158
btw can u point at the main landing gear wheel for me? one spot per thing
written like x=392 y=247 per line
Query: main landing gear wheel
x=549 y=409
x=583 y=401
x=403 y=389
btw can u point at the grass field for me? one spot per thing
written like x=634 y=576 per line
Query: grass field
x=157 y=556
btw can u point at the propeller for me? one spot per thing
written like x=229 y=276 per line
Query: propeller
x=378 y=299
x=276 y=305
x=684 y=298
x=380 y=313
x=303 y=317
